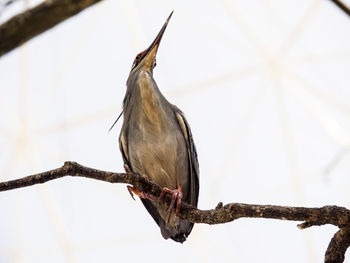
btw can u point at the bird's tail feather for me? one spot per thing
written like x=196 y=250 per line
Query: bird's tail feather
x=178 y=233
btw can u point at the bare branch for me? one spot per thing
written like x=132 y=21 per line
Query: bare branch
x=338 y=245
x=335 y=215
x=75 y=169
x=342 y=6
x=36 y=20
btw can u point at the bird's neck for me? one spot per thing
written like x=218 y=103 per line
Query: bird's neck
x=152 y=113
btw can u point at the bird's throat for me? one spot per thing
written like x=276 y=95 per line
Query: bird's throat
x=151 y=110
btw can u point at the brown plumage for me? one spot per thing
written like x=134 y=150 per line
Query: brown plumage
x=156 y=140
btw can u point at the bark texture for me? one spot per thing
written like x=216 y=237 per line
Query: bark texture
x=335 y=215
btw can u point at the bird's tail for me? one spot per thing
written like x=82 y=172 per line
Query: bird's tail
x=178 y=232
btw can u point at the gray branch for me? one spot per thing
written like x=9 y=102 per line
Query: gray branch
x=335 y=215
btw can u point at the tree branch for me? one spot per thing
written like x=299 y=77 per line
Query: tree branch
x=36 y=20
x=338 y=245
x=335 y=215
x=342 y=6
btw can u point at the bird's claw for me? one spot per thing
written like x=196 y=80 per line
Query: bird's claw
x=134 y=190
x=130 y=190
x=176 y=196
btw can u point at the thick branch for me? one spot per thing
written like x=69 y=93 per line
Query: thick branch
x=338 y=245
x=335 y=215
x=36 y=20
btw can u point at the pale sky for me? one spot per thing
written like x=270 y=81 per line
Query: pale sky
x=264 y=85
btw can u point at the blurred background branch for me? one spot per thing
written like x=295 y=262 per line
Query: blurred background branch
x=342 y=6
x=36 y=20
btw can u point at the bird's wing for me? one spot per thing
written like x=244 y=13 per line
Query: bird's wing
x=185 y=227
x=192 y=154
x=194 y=169
x=147 y=203
x=124 y=149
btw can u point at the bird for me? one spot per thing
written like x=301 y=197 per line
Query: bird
x=156 y=141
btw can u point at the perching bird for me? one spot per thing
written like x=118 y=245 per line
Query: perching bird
x=156 y=141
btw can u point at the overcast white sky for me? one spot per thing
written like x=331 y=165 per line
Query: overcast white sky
x=264 y=85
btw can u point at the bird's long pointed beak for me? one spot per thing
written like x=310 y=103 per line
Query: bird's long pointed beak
x=151 y=52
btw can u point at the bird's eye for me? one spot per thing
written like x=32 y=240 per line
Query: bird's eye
x=136 y=61
x=138 y=57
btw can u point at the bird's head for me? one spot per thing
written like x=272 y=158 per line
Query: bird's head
x=147 y=58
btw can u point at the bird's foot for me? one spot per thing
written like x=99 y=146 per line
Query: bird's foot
x=176 y=196
x=134 y=190
x=145 y=177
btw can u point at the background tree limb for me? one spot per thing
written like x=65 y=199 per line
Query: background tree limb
x=36 y=20
x=342 y=6
x=335 y=215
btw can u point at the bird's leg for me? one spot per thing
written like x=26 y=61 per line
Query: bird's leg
x=176 y=196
